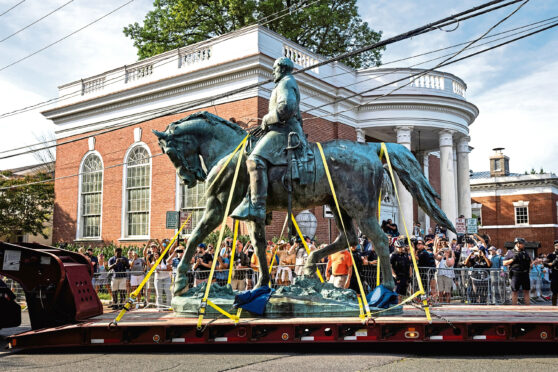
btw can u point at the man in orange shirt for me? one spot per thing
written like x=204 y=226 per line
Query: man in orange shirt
x=341 y=269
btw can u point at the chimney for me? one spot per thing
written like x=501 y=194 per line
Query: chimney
x=499 y=163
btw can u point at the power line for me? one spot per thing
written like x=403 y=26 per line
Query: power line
x=440 y=65
x=6 y=11
x=65 y=37
x=413 y=77
x=173 y=58
x=34 y=22
x=182 y=108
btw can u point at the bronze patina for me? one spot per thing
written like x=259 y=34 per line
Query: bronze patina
x=357 y=175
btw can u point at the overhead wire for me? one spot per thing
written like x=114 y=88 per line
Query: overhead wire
x=445 y=63
x=65 y=37
x=6 y=11
x=413 y=77
x=36 y=21
x=181 y=108
x=166 y=60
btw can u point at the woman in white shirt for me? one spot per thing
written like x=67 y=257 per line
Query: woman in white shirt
x=162 y=282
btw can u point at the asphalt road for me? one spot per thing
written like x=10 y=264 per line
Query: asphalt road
x=307 y=358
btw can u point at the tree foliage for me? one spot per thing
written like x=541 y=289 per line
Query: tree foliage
x=326 y=27
x=25 y=209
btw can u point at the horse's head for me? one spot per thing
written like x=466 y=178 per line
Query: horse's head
x=183 y=149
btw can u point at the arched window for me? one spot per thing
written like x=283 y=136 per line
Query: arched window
x=138 y=192
x=91 y=195
x=193 y=201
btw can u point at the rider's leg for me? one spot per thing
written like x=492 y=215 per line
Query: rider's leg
x=254 y=209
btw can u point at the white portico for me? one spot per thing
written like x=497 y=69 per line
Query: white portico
x=429 y=115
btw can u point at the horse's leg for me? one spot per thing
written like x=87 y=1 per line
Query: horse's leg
x=370 y=227
x=339 y=244
x=257 y=235
x=211 y=218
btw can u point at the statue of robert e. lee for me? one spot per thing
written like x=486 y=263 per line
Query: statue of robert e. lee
x=283 y=118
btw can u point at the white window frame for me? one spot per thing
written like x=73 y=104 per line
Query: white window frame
x=79 y=223
x=179 y=206
x=477 y=206
x=124 y=219
x=521 y=204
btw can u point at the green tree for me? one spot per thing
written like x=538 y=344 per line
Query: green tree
x=25 y=209
x=326 y=27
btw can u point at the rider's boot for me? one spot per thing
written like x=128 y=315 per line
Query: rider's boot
x=252 y=206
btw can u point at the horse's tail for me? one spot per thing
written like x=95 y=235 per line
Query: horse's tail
x=410 y=173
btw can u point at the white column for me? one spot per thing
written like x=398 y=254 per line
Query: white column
x=463 y=177
x=425 y=220
x=455 y=177
x=360 y=136
x=447 y=178
x=406 y=211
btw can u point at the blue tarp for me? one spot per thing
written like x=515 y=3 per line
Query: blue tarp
x=382 y=297
x=254 y=301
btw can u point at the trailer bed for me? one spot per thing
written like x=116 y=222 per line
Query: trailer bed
x=453 y=323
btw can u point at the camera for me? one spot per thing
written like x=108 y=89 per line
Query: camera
x=180 y=251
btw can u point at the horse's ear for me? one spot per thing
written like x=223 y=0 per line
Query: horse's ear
x=160 y=135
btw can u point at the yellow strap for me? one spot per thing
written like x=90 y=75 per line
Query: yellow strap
x=305 y=245
x=226 y=163
x=219 y=309
x=361 y=309
x=231 y=261
x=378 y=271
x=412 y=249
x=363 y=294
x=223 y=224
x=136 y=293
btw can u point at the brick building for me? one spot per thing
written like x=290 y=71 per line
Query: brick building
x=509 y=205
x=125 y=186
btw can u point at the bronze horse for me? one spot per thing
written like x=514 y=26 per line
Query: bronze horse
x=356 y=170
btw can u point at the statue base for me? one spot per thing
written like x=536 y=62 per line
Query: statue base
x=305 y=298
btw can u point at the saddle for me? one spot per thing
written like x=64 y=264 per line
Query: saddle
x=302 y=162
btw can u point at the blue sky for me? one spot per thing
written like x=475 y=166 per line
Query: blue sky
x=513 y=87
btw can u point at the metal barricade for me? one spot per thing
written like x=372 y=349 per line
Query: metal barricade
x=464 y=285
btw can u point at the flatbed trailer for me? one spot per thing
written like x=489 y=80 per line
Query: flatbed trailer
x=451 y=323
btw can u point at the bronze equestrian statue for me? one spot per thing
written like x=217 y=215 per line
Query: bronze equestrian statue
x=356 y=170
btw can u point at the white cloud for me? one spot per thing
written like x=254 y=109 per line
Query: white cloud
x=521 y=116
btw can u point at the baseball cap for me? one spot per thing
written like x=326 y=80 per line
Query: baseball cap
x=555 y=242
x=493 y=248
x=519 y=241
x=202 y=245
x=419 y=240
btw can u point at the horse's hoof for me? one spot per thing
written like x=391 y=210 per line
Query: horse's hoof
x=180 y=286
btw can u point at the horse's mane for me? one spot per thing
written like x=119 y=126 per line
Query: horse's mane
x=208 y=117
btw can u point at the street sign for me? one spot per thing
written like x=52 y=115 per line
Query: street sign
x=327 y=212
x=472 y=226
x=461 y=225
x=172 y=220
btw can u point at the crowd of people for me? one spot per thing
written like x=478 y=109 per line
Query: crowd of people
x=470 y=266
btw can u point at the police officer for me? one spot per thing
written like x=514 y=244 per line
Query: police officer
x=519 y=265
x=551 y=262
x=401 y=267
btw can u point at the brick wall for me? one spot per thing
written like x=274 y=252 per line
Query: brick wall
x=112 y=147
x=499 y=210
